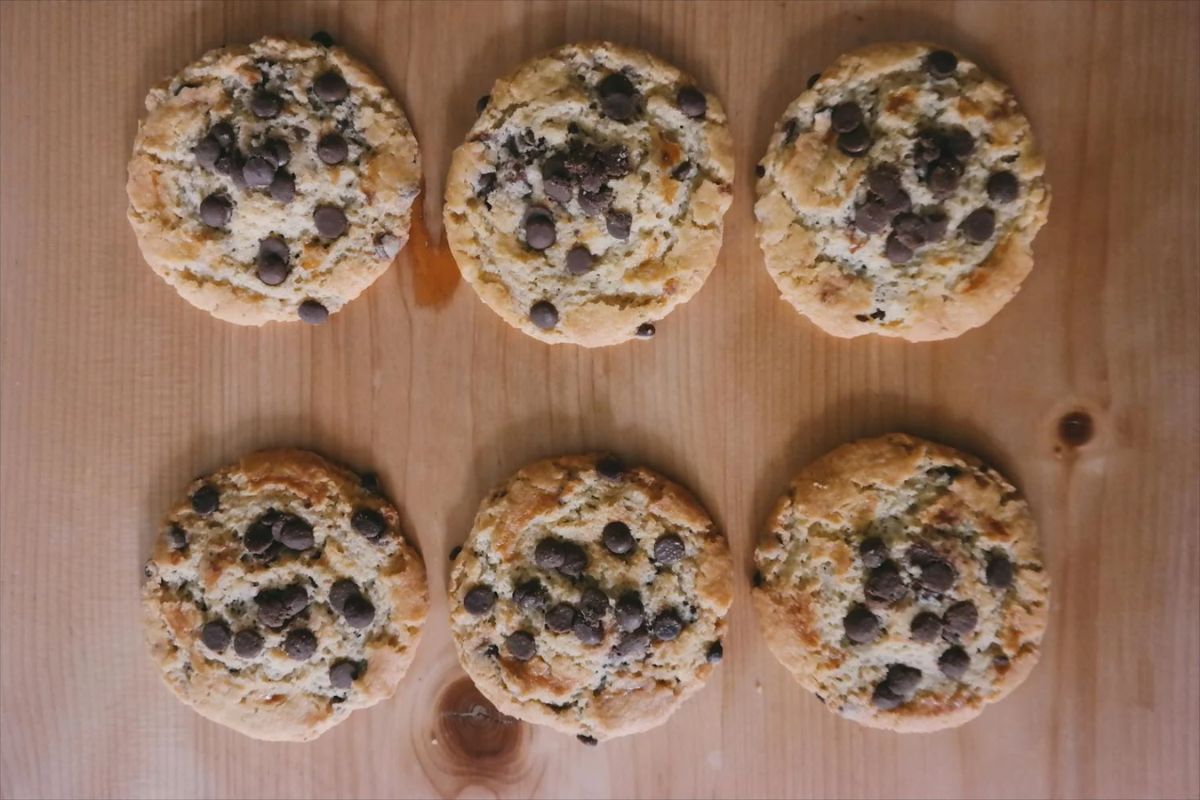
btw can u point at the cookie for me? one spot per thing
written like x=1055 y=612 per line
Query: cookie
x=282 y=595
x=900 y=195
x=590 y=597
x=901 y=582
x=272 y=182
x=587 y=201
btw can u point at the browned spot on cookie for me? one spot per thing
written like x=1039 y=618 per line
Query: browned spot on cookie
x=471 y=730
x=1076 y=428
x=435 y=275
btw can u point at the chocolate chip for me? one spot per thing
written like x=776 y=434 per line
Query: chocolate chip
x=630 y=612
x=757 y=579
x=936 y=576
x=205 y=500
x=926 y=627
x=479 y=600
x=684 y=171
x=322 y=38
x=897 y=251
x=265 y=105
x=959 y=620
x=579 y=260
x=487 y=183
x=615 y=161
x=692 y=102
x=331 y=87
x=610 y=467
x=667 y=626
x=760 y=170
x=544 y=315
x=521 y=645
x=861 y=625
x=177 y=538
x=330 y=221
x=715 y=652
x=300 y=644
x=207 y=151
x=812 y=80
x=1000 y=661
x=590 y=741
x=1003 y=187
x=855 y=142
x=935 y=226
x=871 y=217
x=617 y=538
x=248 y=643
x=257 y=172
x=909 y=229
x=368 y=522
x=958 y=142
x=482 y=103
x=884 y=698
x=539 y=228
x=341 y=591
x=979 y=225
x=332 y=149
x=549 y=554
x=277 y=606
x=954 y=663
x=312 y=312
x=619 y=223
x=223 y=132
x=598 y=202
x=593 y=604
x=296 y=534
x=358 y=611
x=275 y=150
x=455 y=551
x=342 y=674
x=216 y=210
x=791 y=130
x=560 y=618
x=258 y=537
x=884 y=584
x=387 y=245
x=588 y=632
x=618 y=97
x=530 y=596
x=884 y=181
x=845 y=117
x=558 y=188
x=941 y=63
x=575 y=560
x=943 y=177
x=216 y=635
x=271 y=262
x=633 y=644
x=283 y=187
x=928 y=148
x=903 y=680
x=645 y=331
x=999 y=571
x=668 y=549
x=873 y=552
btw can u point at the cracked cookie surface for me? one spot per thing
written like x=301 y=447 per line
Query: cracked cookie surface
x=282 y=596
x=900 y=195
x=272 y=182
x=901 y=582
x=590 y=597
x=588 y=199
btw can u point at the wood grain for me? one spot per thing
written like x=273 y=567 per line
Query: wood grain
x=115 y=393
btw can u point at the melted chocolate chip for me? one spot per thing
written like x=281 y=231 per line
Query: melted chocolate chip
x=530 y=596
x=593 y=604
x=1002 y=187
x=205 y=500
x=296 y=534
x=943 y=177
x=959 y=620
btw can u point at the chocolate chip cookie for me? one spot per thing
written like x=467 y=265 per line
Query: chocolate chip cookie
x=590 y=597
x=282 y=595
x=588 y=199
x=901 y=582
x=272 y=182
x=900 y=195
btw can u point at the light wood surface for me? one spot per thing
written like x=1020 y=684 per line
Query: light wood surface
x=115 y=393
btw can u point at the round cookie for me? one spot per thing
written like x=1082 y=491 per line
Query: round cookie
x=590 y=597
x=900 y=195
x=587 y=201
x=901 y=582
x=282 y=595
x=272 y=182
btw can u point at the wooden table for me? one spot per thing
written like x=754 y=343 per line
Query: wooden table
x=115 y=393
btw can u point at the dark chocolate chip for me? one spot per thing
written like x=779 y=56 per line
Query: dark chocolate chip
x=615 y=161
x=368 y=522
x=296 y=534
x=216 y=635
x=757 y=579
x=358 y=611
x=668 y=549
x=936 y=577
x=618 y=97
x=560 y=618
x=332 y=149
x=265 y=105
x=330 y=221
x=692 y=102
x=926 y=626
x=715 y=652
x=610 y=467
x=884 y=180
x=845 y=117
x=873 y=552
x=909 y=229
x=791 y=129
x=958 y=142
x=634 y=644
x=540 y=232
x=590 y=741
x=579 y=260
x=683 y=171
x=530 y=596
x=630 y=612
x=619 y=223
x=521 y=645
x=342 y=674
x=588 y=632
x=248 y=643
x=1000 y=661
x=954 y=663
x=223 y=132
x=646 y=330
x=272 y=268
x=322 y=38
x=812 y=80
x=331 y=87
x=207 y=151
x=454 y=551
x=205 y=500
x=341 y=591
x=979 y=225
x=667 y=626
x=575 y=560
x=884 y=584
x=872 y=217
x=760 y=170
x=479 y=600
x=884 y=698
x=300 y=644
x=941 y=63
x=216 y=210
x=1003 y=187
x=544 y=315
x=928 y=148
x=549 y=554
x=903 y=680
x=283 y=187
x=855 y=142
x=487 y=182
x=959 y=620
x=943 y=176
x=387 y=245
x=598 y=202
x=482 y=103
x=593 y=604
x=999 y=571
x=273 y=607
x=935 y=226
x=258 y=537
x=558 y=188
x=177 y=538
x=861 y=625
x=312 y=312
x=617 y=538
x=258 y=172
x=897 y=251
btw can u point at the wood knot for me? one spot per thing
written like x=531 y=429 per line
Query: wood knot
x=470 y=728
x=1076 y=428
